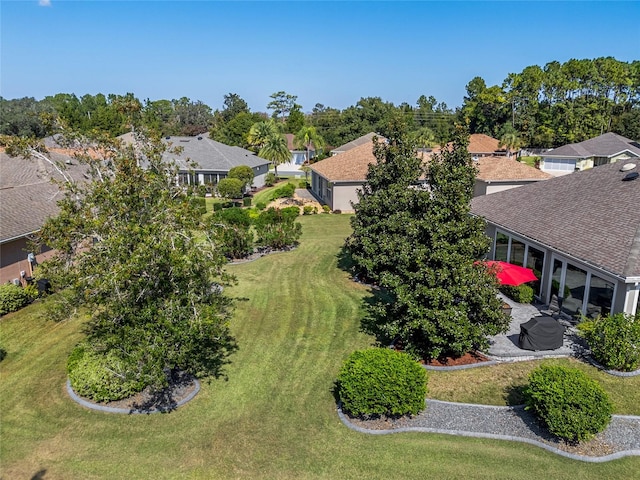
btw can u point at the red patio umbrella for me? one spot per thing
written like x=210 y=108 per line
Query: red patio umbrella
x=510 y=274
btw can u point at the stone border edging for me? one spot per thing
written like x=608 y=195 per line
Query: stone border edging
x=615 y=373
x=573 y=456
x=103 y=408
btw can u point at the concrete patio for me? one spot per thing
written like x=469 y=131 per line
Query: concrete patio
x=505 y=347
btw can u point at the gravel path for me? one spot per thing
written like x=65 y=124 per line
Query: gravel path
x=620 y=439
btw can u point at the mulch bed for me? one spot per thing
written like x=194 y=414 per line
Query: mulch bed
x=466 y=359
x=180 y=387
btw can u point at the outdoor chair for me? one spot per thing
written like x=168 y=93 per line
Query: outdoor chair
x=553 y=310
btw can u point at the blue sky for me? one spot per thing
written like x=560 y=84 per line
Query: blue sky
x=327 y=52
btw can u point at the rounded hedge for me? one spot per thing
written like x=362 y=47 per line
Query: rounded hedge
x=382 y=382
x=572 y=406
x=12 y=298
x=614 y=340
x=100 y=377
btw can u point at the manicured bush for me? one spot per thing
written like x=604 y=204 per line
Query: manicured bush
x=278 y=228
x=303 y=184
x=230 y=188
x=217 y=206
x=201 y=190
x=285 y=191
x=231 y=230
x=381 y=381
x=12 y=298
x=309 y=210
x=326 y=208
x=200 y=203
x=521 y=293
x=572 y=406
x=246 y=202
x=261 y=205
x=270 y=179
x=100 y=376
x=614 y=340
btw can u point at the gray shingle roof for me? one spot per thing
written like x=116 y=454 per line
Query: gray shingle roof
x=27 y=196
x=210 y=155
x=592 y=215
x=605 y=145
x=364 y=139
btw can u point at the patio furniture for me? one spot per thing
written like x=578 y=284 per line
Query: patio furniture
x=541 y=333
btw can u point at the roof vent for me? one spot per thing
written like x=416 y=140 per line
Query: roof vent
x=630 y=176
x=199 y=138
x=627 y=166
x=68 y=161
x=184 y=140
x=167 y=137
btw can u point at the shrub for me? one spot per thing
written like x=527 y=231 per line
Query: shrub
x=246 y=202
x=231 y=230
x=285 y=191
x=571 y=405
x=230 y=188
x=303 y=184
x=278 y=228
x=261 y=205
x=521 y=293
x=614 y=340
x=200 y=203
x=326 y=208
x=12 y=298
x=270 y=179
x=309 y=210
x=100 y=376
x=243 y=173
x=201 y=190
x=381 y=381
x=217 y=206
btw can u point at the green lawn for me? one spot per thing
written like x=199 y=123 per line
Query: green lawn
x=274 y=417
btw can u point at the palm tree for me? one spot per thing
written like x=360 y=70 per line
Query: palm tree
x=306 y=137
x=511 y=141
x=260 y=132
x=424 y=137
x=275 y=150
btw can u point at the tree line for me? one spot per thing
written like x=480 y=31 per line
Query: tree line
x=539 y=107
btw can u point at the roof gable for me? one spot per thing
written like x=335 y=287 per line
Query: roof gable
x=606 y=145
x=496 y=169
x=592 y=215
x=351 y=165
x=363 y=140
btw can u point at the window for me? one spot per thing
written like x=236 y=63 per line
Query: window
x=535 y=261
x=575 y=285
x=559 y=164
x=600 y=297
x=517 y=252
x=502 y=247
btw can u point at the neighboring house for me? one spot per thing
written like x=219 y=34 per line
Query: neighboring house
x=27 y=199
x=336 y=180
x=496 y=174
x=213 y=160
x=580 y=233
x=481 y=145
x=363 y=140
x=607 y=148
x=298 y=157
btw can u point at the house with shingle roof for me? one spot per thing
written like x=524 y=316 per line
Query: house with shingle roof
x=27 y=198
x=496 y=174
x=580 y=233
x=336 y=180
x=213 y=160
x=481 y=145
x=601 y=150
